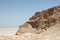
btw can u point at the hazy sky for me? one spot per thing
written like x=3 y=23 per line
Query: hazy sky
x=15 y=12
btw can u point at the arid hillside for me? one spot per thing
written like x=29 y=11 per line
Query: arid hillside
x=41 y=21
x=43 y=25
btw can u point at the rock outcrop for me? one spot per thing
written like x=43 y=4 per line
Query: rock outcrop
x=41 y=21
x=43 y=25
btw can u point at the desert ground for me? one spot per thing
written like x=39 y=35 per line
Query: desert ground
x=7 y=31
x=52 y=33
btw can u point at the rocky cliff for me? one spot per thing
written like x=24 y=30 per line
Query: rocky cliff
x=41 y=21
x=43 y=25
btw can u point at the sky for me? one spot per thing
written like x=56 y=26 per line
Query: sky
x=14 y=13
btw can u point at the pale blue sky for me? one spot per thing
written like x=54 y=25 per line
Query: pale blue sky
x=15 y=12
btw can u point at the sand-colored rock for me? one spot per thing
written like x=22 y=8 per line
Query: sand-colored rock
x=52 y=33
x=25 y=28
x=41 y=21
x=43 y=25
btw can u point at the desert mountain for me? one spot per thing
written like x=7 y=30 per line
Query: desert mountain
x=41 y=21
x=43 y=25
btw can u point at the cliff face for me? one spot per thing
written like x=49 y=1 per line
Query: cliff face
x=41 y=21
x=43 y=25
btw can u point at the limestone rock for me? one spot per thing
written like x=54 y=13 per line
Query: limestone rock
x=41 y=21
x=25 y=28
x=43 y=25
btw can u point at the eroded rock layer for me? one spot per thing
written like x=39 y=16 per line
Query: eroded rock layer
x=41 y=21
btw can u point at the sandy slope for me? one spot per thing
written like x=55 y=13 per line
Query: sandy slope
x=52 y=33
